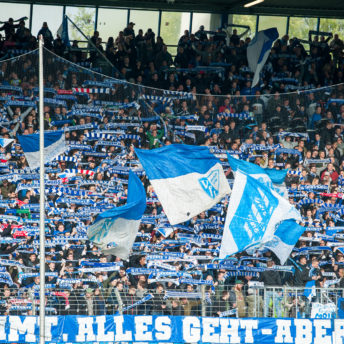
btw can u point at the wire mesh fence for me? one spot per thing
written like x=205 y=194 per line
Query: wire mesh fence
x=228 y=301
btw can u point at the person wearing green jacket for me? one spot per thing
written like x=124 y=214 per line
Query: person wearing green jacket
x=154 y=138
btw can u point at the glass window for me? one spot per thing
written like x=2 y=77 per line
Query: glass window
x=249 y=20
x=145 y=20
x=111 y=22
x=40 y=15
x=83 y=18
x=173 y=25
x=199 y=19
x=299 y=27
x=210 y=21
x=15 y=11
x=266 y=22
x=332 y=25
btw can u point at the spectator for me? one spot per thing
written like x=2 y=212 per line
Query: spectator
x=237 y=298
x=47 y=35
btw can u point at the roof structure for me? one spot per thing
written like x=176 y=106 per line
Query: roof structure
x=309 y=8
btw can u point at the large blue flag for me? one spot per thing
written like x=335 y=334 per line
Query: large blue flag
x=54 y=145
x=186 y=179
x=276 y=176
x=258 y=51
x=114 y=231
x=286 y=236
x=254 y=212
x=272 y=177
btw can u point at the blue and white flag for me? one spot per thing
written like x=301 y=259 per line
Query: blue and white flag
x=5 y=142
x=272 y=177
x=63 y=31
x=286 y=236
x=54 y=144
x=186 y=179
x=276 y=176
x=114 y=231
x=310 y=290
x=258 y=51
x=254 y=212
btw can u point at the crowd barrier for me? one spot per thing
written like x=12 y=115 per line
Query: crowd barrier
x=221 y=301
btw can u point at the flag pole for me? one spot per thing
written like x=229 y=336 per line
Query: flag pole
x=41 y=199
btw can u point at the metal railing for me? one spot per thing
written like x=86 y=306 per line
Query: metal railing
x=223 y=301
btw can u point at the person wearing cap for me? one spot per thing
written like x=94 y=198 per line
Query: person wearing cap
x=237 y=298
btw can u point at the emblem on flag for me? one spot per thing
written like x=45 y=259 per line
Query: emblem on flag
x=210 y=183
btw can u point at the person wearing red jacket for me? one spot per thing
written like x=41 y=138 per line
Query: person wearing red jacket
x=331 y=172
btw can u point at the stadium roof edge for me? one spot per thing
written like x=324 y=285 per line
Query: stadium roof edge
x=308 y=8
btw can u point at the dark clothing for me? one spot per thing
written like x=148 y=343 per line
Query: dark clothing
x=9 y=29
x=129 y=300
x=156 y=303
x=299 y=275
x=271 y=278
x=99 y=305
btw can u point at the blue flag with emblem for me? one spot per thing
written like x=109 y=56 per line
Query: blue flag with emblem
x=114 y=231
x=186 y=179
x=255 y=211
x=258 y=51
x=276 y=176
x=54 y=144
x=272 y=177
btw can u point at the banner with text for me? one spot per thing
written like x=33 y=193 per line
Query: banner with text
x=176 y=329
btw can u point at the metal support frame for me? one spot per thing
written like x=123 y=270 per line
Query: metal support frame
x=41 y=199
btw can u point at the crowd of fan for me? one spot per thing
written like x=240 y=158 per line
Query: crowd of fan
x=144 y=59
x=104 y=119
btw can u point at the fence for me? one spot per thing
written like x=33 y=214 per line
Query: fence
x=221 y=301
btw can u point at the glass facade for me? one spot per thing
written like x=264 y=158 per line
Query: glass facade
x=173 y=25
x=249 y=20
x=84 y=18
x=299 y=26
x=145 y=20
x=15 y=11
x=332 y=25
x=41 y=13
x=266 y=22
x=110 y=21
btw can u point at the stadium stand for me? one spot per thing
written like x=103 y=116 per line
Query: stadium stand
x=292 y=120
